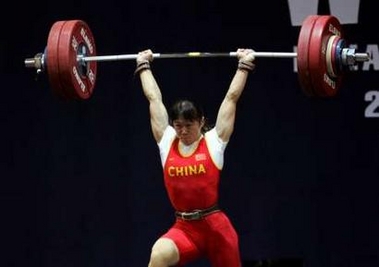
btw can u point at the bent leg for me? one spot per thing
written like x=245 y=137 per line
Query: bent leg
x=164 y=253
x=224 y=248
x=175 y=248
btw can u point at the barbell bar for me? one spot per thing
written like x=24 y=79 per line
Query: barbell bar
x=186 y=55
x=70 y=59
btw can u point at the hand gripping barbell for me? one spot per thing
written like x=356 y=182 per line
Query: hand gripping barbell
x=323 y=57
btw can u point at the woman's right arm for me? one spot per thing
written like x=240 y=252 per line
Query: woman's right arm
x=158 y=112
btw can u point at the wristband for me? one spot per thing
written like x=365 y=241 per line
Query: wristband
x=142 y=66
x=246 y=65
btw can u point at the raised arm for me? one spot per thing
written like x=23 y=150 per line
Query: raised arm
x=158 y=113
x=226 y=114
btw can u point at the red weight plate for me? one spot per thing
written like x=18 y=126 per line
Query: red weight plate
x=324 y=84
x=77 y=78
x=52 y=59
x=302 y=55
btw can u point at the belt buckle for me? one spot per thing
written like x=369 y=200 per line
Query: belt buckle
x=195 y=215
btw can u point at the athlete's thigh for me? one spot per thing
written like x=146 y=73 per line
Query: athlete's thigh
x=224 y=248
x=188 y=251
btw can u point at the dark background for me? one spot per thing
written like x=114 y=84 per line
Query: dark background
x=81 y=180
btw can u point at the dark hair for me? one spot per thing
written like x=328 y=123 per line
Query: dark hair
x=188 y=110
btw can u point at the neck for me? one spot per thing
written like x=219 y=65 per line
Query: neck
x=188 y=149
x=193 y=142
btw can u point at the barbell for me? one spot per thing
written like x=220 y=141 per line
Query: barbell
x=323 y=57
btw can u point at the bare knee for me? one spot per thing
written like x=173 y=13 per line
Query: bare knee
x=164 y=253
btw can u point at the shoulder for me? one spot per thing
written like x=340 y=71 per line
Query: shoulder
x=216 y=147
x=164 y=144
x=212 y=137
x=168 y=136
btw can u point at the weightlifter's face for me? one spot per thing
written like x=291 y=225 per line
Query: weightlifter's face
x=187 y=131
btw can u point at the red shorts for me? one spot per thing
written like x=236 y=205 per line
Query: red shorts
x=212 y=237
